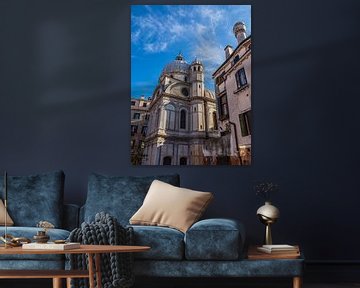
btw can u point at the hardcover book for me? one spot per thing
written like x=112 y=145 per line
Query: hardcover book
x=51 y=246
x=270 y=249
x=254 y=253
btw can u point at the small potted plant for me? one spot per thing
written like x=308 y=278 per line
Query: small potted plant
x=41 y=236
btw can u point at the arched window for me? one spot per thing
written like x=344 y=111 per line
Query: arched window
x=167 y=160
x=182 y=119
x=158 y=119
x=215 y=121
x=170 y=117
x=183 y=161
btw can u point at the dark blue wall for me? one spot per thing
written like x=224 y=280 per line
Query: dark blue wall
x=64 y=103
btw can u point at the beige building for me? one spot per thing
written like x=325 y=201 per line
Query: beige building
x=183 y=125
x=233 y=93
x=139 y=126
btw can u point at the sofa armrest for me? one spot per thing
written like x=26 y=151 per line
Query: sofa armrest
x=215 y=239
x=70 y=216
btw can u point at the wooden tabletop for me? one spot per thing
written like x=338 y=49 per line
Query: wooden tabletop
x=254 y=254
x=92 y=249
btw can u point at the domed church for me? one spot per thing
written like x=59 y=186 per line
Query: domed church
x=183 y=125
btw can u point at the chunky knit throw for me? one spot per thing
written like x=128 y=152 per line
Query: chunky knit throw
x=116 y=268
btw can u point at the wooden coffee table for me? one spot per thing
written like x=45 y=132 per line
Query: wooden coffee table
x=92 y=251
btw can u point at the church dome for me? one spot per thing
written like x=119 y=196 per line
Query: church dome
x=176 y=66
x=209 y=94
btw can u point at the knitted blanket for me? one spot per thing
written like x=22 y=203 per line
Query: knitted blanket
x=116 y=268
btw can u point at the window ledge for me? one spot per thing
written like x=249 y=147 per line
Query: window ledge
x=222 y=118
x=241 y=89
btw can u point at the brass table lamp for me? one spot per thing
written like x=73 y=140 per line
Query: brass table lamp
x=268 y=214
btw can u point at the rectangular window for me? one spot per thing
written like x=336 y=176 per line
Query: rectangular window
x=144 y=130
x=245 y=123
x=241 y=78
x=134 y=129
x=133 y=103
x=220 y=79
x=223 y=107
x=147 y=116
x=144 y=104
x=136 y=116
x=236 y=59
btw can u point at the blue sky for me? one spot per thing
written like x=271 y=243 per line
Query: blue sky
x=160 y=32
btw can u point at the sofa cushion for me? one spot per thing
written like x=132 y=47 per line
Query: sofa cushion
x=169 y=206
x=165 y=243
x=214 y=239
x=119 y=196
x=29 y=232
x=9 y=221
x=35 y=198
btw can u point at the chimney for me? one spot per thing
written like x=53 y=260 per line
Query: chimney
x=239 y=31
x=228 y=51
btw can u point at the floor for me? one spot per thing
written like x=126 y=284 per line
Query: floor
x=247 y=284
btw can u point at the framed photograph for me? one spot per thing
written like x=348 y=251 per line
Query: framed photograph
x=191 y=85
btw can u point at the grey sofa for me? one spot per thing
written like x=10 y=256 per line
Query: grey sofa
x=210 y=248
x=32 y=199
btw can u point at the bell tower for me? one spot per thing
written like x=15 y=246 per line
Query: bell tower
x=197 y=78
x=239 y=31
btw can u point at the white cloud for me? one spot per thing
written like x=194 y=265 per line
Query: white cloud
x=200 y=28
x=135 y=35
x=213 y=14
x=177 y=30
x=156 y=32
x=205 y=30
x=155 y=47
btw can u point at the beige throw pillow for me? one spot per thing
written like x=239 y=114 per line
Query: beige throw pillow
x=9 y=221
x=170 y=206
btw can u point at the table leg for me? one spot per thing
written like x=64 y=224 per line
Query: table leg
x=297 y=282
x=57 y=283
x=91 y=270
x=98 y=270
x=68 y=282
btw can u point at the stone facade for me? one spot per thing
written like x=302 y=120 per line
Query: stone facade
x=233 y=93
x=183 y=124
x=139 y=125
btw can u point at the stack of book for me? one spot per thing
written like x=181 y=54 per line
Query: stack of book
x=279 y=249
x=274 y=252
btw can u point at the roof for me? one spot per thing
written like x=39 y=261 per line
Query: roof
x=177 y=65
x=228 y=59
